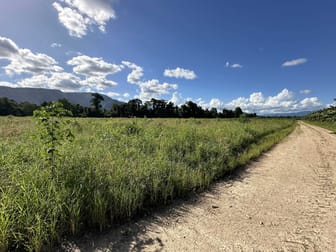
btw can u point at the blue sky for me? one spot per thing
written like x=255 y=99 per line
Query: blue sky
x=264 y=56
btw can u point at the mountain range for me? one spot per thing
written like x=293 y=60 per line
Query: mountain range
x=40 y=95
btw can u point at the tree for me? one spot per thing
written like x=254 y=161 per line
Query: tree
x=228 y=113
x=96 y=103
x=28 y=108
x=238 y=111
x=190 y=109
x=134 y=107
x=213 y=112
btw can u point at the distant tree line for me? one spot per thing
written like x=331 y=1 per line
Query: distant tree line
x=162 y=108
x=11 y=107
x=133 y=108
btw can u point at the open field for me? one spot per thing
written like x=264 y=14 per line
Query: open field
x=284 y=201
x=113 y=170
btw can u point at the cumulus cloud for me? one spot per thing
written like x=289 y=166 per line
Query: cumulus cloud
x=154 y=89
x=235 y=65
x=294 y=62
x=54 y=45
x=213 y=103
x=308 y=103
x=63 y=81
x=216 y=103
x=46 y=73
x=78 y=15
x=147 y=89
x=200 y=102
x=76 y=24
x=98 y=82
x=283 y=102
x=91 y=66
x=305 y=91
x=8 y=49
x=126 y=95
x=24 y=60
x=136 y=74
x=180 y=73
x=66 y=82
x=8 y=84
x=177 y=99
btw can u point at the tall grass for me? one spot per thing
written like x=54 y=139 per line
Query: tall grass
x=324 y=124
x=113 y=170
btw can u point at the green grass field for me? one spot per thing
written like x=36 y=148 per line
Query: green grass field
x=113 y=170
x=327 y=125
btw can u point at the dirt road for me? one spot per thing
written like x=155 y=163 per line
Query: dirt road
x=285 y=201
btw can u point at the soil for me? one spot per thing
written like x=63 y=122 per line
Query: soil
x=284 y=201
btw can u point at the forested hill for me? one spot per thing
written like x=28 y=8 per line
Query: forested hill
x=39 y=95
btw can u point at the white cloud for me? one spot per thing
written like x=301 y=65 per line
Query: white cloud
x=136 y=74
x=66 y=82
x=154 y=89
x=309 y=103
x=177 y=99
x=257 y=98
x=294 y=62
x=180 y=73
x=283 y=102
x=72 y=20
x=78 y=15
x=201 y=102
x=24 y=60
x=63 y=81
x=148 y=89
x=90 y=66
x=54 y=45
x=95 y=71
x=7 y=84
x=98 y=82
x=72 y=53
x=36 y=81
x=235 y=65
x=47 y=74
x=305 y=91
x=216 y=103
x=126 y=95
x=8 y=49
x=28 y=62
x=112 y=94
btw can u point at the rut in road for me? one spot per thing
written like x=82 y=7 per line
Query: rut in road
x=285 y=201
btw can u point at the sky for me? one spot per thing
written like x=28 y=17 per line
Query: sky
x=265 y=56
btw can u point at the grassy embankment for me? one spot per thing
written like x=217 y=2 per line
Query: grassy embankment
x=325 y=118
x=113 y=170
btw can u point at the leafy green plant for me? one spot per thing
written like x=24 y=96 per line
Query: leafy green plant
x=54 y=130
